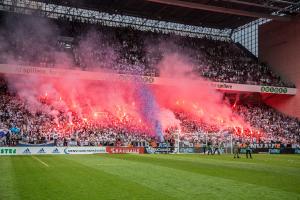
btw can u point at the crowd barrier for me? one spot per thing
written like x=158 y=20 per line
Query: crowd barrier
x=68 y=150
x=128 y=150
x=50 y=150
x=122 y=150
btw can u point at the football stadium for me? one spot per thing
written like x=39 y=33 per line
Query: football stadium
x=149 y=99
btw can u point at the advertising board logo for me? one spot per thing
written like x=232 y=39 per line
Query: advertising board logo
x=150 y=150
x=56 y=150
x=42 y=150
x=8 y=151
x=187 y=150
x=27 y=151
x=122 y=150
x=276 y=90
x=274 y=151
x=222 y=85
x=84 y=150
x=144 y=79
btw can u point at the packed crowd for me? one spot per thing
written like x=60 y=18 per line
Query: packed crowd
x=277 y=126
x=268 y=128
x=125 y=50
x=18 y=125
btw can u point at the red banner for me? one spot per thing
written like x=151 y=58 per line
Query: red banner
x=122 y=150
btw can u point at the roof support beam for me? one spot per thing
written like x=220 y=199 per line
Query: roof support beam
x=286 y=2
x=200 y=6
x=253 y=4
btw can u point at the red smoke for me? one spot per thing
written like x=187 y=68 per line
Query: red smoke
x=107 y=102
x=96 y=100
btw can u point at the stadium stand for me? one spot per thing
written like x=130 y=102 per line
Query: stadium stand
x=20 y=125
x=149 y=99
x=125 y=50
x=128 y=51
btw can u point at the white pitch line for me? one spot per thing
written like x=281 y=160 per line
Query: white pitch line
x=40 y=161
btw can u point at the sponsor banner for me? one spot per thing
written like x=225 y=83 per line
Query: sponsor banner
x=162 y=148
x=58 y=72
x=89 y=75
x=39 y=150
x=150 y=150
x=186 y=150
x=243 y=151
x=144 y=79
x=50 y=150
x=198 y=149
x=265 y=146
x=8 y=151
x=23 y=144
x=84 y=150
x=275 y=90
x=297 y=151
x=30 y=150
x=123 y=150
x=260 y=150
x=274 y=151
x=253 y=88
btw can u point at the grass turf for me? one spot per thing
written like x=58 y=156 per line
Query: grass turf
x=149 y=177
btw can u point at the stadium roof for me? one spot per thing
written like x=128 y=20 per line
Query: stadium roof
x=219 y=14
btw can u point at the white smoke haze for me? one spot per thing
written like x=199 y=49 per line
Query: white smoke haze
x=93 y=45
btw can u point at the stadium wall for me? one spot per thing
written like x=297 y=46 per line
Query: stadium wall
x=279 y=46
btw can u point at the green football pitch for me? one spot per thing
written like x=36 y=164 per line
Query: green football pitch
x=89 y=177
